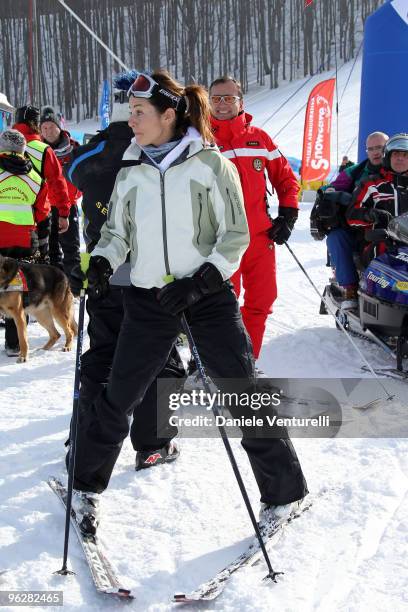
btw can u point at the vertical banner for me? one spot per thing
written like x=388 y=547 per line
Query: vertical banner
x=1 y=121
x=104 y=105
x=317 y=133
x=385 y=52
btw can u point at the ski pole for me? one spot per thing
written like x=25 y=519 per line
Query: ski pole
x=340 y=324
x=193 y=348
x=74 y=419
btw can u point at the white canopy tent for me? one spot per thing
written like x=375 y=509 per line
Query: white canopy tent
x=5 y=105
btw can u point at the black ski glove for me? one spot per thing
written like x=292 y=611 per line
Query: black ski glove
x=378 y=217
x=184 y=292
x=98 y=275
x=76 y=279
x=283 y=224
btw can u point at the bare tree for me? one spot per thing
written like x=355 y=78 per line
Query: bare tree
x=196 y=40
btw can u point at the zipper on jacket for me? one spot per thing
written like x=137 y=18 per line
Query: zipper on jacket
x=200 y=204
x=163 y=203
x=164 y=226
x=232 y=206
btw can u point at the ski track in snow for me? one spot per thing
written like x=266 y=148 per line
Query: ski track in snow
x=169 y=528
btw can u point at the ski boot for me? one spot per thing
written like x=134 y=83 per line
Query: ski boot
x=271 y=517
x=146 y=459
x=86 y=506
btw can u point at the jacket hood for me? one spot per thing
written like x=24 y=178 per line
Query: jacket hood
x=118 y=130
x=15 y=163
x=227 y=128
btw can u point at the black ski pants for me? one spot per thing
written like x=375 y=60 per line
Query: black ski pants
x=105 y=320
x=64 y=249
x=146 y=338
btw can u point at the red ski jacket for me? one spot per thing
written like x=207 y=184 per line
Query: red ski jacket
x=254 y=152
x=51 y=173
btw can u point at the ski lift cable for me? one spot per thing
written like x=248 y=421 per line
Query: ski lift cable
x=290 y=121
x=92 y=33
x=287 y=100
x=352 y=142
x=351 y=71
x=337 y=99
x=304 y=106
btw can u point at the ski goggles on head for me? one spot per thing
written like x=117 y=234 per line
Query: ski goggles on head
x=145 y=87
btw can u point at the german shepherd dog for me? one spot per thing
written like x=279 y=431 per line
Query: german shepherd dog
x=47 y=297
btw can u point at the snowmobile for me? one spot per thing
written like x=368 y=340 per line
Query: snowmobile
x=381 y=314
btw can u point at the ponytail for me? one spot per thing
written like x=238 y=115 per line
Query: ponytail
x=198 y=112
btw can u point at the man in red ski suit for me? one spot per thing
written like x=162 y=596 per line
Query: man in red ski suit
x=254 y=153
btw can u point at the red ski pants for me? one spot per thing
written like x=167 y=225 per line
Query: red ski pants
x=257 y=274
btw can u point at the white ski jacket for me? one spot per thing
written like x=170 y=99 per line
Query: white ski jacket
x=175 y=216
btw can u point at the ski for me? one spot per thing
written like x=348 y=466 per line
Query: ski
x=212 y=588
x=103 y=574
x=388 y=371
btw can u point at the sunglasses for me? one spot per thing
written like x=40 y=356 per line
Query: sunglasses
x=377 y=148
x=226 y=99
x=145 y=87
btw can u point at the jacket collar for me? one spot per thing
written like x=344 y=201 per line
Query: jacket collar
x=27 y=132
x=230 y=128
x=63 y=146
x=191 y=140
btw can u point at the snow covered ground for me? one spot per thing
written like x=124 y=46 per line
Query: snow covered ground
x=169 y=528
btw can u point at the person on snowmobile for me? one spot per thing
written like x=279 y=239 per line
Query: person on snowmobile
x=342 y=240
x=382 y=197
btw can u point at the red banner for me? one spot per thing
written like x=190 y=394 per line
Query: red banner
x=308 y=3
x=317 y=134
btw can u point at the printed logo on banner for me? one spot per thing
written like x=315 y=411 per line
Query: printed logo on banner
x=317 y=132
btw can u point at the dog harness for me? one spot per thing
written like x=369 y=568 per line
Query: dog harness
x=17 y=283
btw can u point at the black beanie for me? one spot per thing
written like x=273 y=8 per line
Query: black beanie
x=24 y=114
x=49 y=114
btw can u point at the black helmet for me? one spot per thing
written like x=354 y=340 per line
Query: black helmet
x=27 y=114
x=399 y=142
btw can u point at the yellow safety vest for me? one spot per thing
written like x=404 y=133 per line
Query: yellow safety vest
x=36 y=152
x=18 y=193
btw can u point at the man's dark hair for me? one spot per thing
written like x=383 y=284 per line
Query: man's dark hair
x=226 y=79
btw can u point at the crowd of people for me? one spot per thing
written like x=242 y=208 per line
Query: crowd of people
x=176 y=219
x=37 y=203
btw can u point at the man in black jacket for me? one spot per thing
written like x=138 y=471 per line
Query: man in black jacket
x=92 y=169
x=64 y=248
